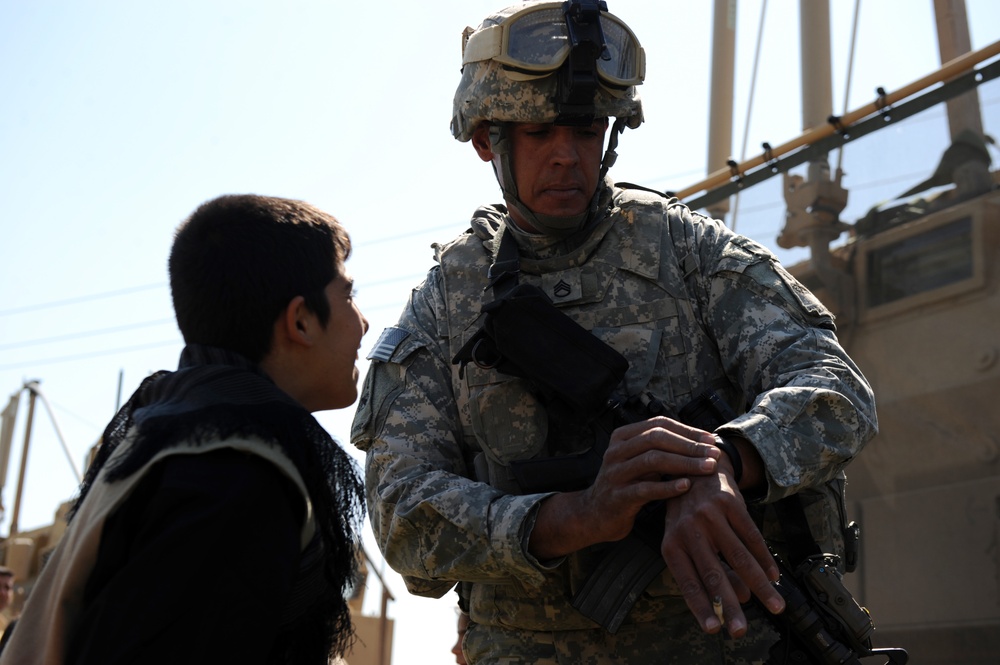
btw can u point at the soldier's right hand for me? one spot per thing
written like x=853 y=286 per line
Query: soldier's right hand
x=645 y=461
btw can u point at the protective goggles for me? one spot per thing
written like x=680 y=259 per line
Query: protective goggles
x=537 y=40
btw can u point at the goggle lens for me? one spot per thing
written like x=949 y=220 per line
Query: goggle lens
x=623 y=65
x=538 y=41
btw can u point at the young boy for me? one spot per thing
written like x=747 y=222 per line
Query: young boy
x=219 y=520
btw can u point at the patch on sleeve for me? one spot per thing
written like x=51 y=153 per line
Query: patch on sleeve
x=387 y=343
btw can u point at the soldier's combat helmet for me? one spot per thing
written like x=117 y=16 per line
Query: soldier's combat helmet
x=564 y=62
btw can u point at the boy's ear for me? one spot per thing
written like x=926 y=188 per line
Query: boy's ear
x=294 y=322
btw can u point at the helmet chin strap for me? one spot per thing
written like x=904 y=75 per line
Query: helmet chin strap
x=551 y=225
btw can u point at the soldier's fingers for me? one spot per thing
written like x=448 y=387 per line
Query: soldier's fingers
x=715 y=579
x=763 y=555
x=677 y=427
x=690 y=580
x=680 y=428
x=670 y=464
x=628 y=443
x=755 y=574
x=742 y=590
x=654 y=466
x=661 y=489
x=668 y=425
x=748 y=533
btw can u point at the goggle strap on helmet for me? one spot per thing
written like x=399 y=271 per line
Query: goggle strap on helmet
x=500 y=145
x=610 y=155
x=557 y=226
x=486 y=46
x=577 y=78
x=499 y=138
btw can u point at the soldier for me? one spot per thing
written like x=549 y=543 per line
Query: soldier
x=704 y=317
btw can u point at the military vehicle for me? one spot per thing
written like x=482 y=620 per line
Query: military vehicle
x=916 y=291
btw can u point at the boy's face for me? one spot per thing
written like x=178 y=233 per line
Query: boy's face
x=337 y=348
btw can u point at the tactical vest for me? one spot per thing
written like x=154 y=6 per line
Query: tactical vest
x=639 y=289
x=631 y=293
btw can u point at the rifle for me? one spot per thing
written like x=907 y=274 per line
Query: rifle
x=822 y=622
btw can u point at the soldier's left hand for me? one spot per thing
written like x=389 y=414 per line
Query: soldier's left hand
x=714 y=550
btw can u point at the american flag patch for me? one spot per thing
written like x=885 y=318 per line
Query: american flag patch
x=387 y=343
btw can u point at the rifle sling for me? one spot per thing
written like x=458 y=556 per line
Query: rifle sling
x=506 y=266
x=799 y=539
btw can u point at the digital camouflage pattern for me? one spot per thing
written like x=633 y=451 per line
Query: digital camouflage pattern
x=691 y=305
x=489 y=91
x=668 y=642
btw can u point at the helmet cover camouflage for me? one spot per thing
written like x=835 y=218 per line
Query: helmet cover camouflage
x=492 y=91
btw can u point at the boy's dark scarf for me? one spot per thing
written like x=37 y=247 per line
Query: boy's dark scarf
x=216 y=394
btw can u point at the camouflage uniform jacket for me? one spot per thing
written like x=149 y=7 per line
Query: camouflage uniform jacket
x=688 y=303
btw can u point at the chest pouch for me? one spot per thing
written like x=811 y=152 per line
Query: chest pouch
x=572 y=372
x=525 y=335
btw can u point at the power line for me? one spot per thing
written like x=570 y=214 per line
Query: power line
x=158 y=285
x=398 y=304
x=146 y=287
x=402 y=236
x=375 y=307
x=391 y=280
x=393 y=304
x=77 y=416
x=88 y=333
x=80 y=299
x=871 y=184
x=126 y=349
x=95 y=354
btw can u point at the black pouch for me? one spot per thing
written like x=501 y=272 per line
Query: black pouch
x=525 y=335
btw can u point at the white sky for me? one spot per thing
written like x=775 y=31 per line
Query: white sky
x=118 y=118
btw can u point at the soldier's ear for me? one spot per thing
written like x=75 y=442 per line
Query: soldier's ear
x=481 y=142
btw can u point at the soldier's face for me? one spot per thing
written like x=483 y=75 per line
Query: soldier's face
x=557 y=167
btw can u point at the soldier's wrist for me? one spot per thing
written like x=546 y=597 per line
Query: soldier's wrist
x=733 y=453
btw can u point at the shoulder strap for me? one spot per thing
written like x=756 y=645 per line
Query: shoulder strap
x=632 y=185
x=502 y=276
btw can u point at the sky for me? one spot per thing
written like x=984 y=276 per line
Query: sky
x=118 y=118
